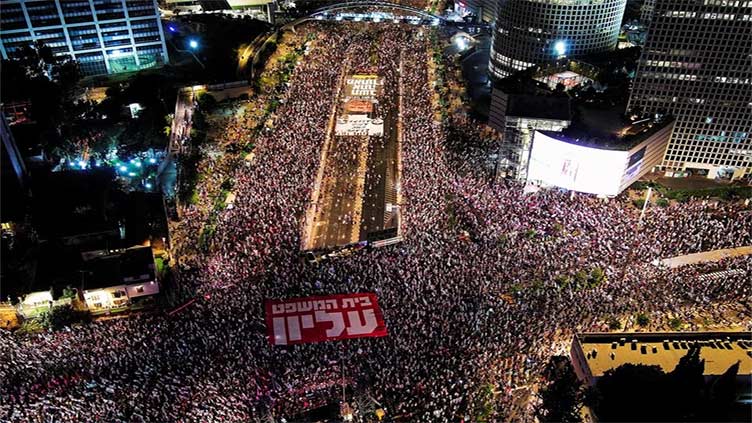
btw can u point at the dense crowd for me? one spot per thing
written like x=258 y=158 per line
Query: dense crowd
x=463 y=311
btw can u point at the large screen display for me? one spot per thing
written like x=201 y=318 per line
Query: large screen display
x=570 y=166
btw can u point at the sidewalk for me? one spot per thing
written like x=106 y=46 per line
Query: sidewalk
x=715 y=255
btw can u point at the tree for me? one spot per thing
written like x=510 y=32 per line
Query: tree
x=614 y=323
x=64 y=315
x=207 y=102
x=597 y=276
x=643 y=319
x=561 y=398
x=687 y=383
x=581 y=278
x=67 y=74
x=675 y=323
x=68 y=292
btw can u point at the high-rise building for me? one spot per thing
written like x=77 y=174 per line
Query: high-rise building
x=485 y=10
x=259 y=9
x=14 y=178
x=104 y=36
x=697 y=66
x=535 y=32
x=517 y=117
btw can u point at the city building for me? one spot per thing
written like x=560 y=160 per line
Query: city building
x=646 y=12
x=14 y=177
x=103 y=36
x=259 y=9
x=593 y=354
x=517 y=117
x=484 y=10
x=529 y=33
x=116 y=279
x=601 y=165
x=696 y=66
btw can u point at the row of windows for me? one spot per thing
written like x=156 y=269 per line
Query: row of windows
x=13 y=18
x=707 y=15
x=727 y=3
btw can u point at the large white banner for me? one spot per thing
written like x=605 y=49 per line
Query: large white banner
x=351 y=125
x=575 y=167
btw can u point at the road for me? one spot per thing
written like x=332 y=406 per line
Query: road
x=715 y=255
x=360 y=179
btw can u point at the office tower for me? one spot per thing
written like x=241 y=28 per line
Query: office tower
x=697 y=66
x=537 y=32
x=14 y=178
x=104 y=36
x=485 y=10
x=646 y=12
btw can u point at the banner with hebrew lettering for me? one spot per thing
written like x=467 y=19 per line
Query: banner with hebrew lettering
x=323 y=318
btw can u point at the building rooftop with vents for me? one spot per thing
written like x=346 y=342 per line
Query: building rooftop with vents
x=593 y=354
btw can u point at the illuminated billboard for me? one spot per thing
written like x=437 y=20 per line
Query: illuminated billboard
x=575 y=167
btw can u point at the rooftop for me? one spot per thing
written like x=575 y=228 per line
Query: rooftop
x=132 y=265
x=608 y=127
x=720 y=350
x=72 y=203
x=539 y=107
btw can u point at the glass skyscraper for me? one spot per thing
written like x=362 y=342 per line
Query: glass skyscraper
x=536 y=32
x=104 y=36
x=697 y=65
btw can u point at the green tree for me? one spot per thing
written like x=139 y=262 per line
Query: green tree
x=614 y=323
x=561 y=397
x=643 y=319
x=581 y=278
x=207 y=102
x=597 y=276
x=68 y=292
x=563 y=281
x=64 y=315
x=675 y=323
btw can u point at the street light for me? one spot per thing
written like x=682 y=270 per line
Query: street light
x=561 y=48
x=193 y=44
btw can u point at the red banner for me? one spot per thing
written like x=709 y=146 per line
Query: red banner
x=325 y=318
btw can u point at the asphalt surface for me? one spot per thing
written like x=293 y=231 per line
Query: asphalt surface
x=332 y=227
x=341 y=194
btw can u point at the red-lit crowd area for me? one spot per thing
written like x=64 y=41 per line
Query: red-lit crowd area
x=475 y=295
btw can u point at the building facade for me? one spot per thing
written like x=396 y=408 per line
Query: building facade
x=696 y=66
x=103 y=36
x=485 y=10
x=590 y=166
x=534 y=32
x=517 y=117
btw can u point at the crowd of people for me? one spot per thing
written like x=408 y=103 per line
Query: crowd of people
x=464 y=312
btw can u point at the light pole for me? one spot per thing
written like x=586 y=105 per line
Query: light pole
x=193 y=46
x=645 y=205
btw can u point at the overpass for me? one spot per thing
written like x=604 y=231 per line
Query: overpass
x=331 y=12
x=377 y=5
